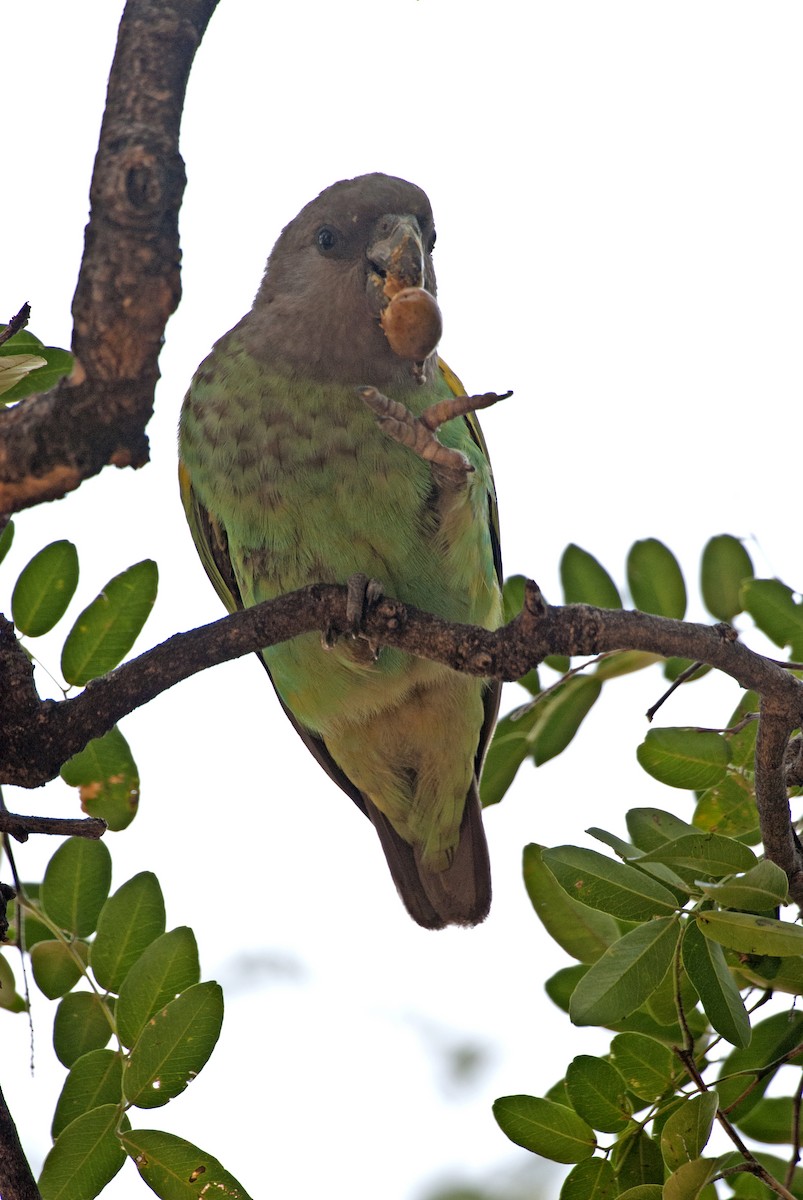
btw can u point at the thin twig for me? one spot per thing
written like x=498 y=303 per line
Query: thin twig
x=17 y=322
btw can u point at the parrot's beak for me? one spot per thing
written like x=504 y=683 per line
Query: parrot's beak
x=395 y=259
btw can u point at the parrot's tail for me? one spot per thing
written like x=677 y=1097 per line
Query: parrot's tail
x=459 y=895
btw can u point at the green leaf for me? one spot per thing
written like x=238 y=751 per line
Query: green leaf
x=707 y=853
x=728 y=808
x=719 y=995
x=725 y=565
x=129 y=921
x=764 y=886
x=513 y=596
x=630 y=854
x=655 y=579
x=45 y=588
x=624 y=662
x=560 y=715
x=108 y=779
x=15 y=367
x=106 y=630
x=82 y=1023
x=592 y=1179
x=10 y=1000
x=509 y=747
x=167 y=967
x=176 y=1170
x=772 y=1121
x=779 y=974
x=546 y=1128
x=684 y=758
x=598 y=1093
x=651 y=828
x=643 y=1191
x=620 y=981
x=583 y=933
x=585 y=581
x=772 y=606
x=772 y=1039
x=689 y=1180
x=85 y=1157
x=559 y=987
x=94 y=1079
x=646 y=1065
x=612 y=887
x=55 y=968
x=174 y=1046
x=56 y=364
x=687 y=1131
x=750 y=934
x=76 y=884
x=6 y=538
x=636 y=1160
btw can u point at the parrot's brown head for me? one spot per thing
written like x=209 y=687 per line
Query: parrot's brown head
x=332 y=275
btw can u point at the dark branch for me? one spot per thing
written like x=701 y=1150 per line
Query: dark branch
x=16 y=1179
x=129 y=281
x=17 y=322
x=39 y=736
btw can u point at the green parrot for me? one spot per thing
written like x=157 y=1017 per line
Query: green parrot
x=289 y=478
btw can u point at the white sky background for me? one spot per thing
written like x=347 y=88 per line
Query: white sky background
x=617 y=189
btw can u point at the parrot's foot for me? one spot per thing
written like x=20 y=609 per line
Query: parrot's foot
x=419 y=434
x=362 y=594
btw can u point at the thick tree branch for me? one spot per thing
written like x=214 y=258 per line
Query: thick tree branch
x=16 y=1179
x=129 y=281
x=39 y=736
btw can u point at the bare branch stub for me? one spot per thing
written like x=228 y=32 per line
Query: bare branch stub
x=129 y=281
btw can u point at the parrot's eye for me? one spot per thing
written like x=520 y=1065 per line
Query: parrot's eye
x=326 y=239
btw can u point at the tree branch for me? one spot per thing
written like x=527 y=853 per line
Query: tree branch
x=129 y=280
x=39 y=736
x=16 y=1179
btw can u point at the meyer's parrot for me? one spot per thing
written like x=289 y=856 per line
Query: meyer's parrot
x=296 y=469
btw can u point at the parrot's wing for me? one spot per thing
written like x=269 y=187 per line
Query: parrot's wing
x=493 y=691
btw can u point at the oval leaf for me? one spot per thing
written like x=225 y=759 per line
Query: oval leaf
x=174 y=1046
x=706 y=853
x=772 y=1120
x=129 y=921
x=85 y=1157
x=94 y=1080
x=165 y=969
x=509 y=747
x=725 y=565
x=54 y=363
x=546 y=1128
x=620 y=981
x=76 y=884
x=614 y=887
x=592 y=1179
x=176 y=1170
x=598 y=1093
x=560 y=715
x=585 y=580
x=108 y=779
x=720 y=997
x=646 y=1065
x=6 y=538
x=752 y=935
x=684 y=758
x=55 y=968
x=764 y=886
x=83 y=1023
x=689 y=1180
x=582 y=932
x=655 y=579
x=45 y=588
x=687 y=1131
x=772 y=606
x=108 y=628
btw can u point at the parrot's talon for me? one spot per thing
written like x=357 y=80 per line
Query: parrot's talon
x=419 y=434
